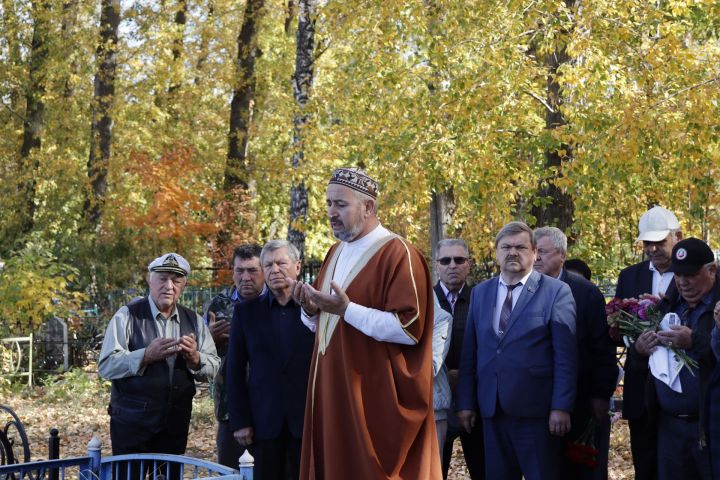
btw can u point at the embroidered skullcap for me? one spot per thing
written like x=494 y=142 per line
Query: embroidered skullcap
x=356 y=179
x=170 y=262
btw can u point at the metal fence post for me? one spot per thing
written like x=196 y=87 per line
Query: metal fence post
x=246 y=464
x=94 y=451
x=54 y=452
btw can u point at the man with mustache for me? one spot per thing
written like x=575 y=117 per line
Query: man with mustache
x=369 y=406
x=248 y=284
x=519 y=363
x=659 y=232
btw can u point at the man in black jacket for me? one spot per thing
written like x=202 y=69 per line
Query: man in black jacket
x=452 y=264
x=659 y=232
x=248 y=284
x=267 y=406
x=597 y=368
x=681 y=411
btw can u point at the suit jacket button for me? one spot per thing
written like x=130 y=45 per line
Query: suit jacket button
x=498 y=351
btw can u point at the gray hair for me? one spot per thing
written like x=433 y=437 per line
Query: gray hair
x=451 y=242
x=363 y=197
x=515 y=228
x=556 y=236
x=273 y=245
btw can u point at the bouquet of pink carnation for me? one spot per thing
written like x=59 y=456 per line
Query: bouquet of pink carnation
x=630 y=317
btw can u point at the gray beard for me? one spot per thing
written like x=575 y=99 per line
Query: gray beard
x=348 y=235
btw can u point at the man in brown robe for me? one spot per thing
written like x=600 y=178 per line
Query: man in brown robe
x=369 y=410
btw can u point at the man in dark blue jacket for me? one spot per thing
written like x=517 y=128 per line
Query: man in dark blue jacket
x=680 y=409
x=597 y=368
x=267 y=406
x=248 y=284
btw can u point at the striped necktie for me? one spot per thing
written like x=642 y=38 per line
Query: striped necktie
x=453 y=299
x=506 y=309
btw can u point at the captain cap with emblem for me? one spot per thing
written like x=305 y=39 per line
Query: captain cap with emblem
x=170 y=262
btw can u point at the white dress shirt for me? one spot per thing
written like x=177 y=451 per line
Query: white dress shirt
x=380 y=325
x=502 y=294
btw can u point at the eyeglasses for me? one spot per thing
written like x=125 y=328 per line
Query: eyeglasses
x=447 y=260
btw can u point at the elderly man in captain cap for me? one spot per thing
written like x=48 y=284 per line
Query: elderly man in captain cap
x=154 y=350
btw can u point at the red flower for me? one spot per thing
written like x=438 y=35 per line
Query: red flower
x=582 y=451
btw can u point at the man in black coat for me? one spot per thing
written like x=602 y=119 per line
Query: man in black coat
x=452 y=264
x=680 y=411
x=659 y=232
x=597 y=368
x=267 y=406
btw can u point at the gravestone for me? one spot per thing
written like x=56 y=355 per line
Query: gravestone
x=55 y=338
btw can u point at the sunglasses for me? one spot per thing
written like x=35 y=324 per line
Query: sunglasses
x=447 y=260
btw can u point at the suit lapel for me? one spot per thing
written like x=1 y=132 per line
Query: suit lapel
x=491 y=299
x=646 y=277
x=526 y=295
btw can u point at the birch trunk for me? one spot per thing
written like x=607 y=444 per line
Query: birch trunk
x=301 y=81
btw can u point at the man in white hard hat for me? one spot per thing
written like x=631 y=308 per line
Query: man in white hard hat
x=659 y=232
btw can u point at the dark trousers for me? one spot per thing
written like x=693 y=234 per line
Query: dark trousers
x=472 y=445
x=679 y=456
x=601 y=440
x=228 y=449
x=132 y=438
x=277 y=458
x=643 y=445
x=520 y=447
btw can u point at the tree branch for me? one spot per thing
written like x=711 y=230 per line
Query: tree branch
x=20 y=117
x=541 y=100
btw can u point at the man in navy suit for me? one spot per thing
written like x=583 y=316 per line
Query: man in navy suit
x=597 y=368
x=659 y=232
x=267 y=406
x=519 y=363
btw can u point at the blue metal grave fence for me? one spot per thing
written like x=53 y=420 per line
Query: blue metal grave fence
x=148 y=466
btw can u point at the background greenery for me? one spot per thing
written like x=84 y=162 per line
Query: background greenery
x=592 y=111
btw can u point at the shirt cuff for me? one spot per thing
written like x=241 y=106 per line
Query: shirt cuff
x=382 y=326
x=135 y=359
x=310 y=322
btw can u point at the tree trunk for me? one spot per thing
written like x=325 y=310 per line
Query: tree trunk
x=205 y=35
x=69 y=22
x=102 y=122
x=302 y=81
x=177 y=50
x=289 y=15
x=556 y=207
x=12 y=36
x=442 y=205
x=236 y=169
x=34 y=112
